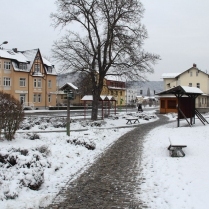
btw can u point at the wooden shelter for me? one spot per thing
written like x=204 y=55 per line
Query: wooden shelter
x=104 y=100
x=185 y=103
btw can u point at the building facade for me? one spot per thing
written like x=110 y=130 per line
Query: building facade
x=192 y=77
x=115 y=88
x=28 y=77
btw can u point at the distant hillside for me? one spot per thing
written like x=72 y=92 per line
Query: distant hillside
x=66 y=78
x=142 y=87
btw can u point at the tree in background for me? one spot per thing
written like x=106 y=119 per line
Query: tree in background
x=84 y=84
x=11 y=115
x=105 y=38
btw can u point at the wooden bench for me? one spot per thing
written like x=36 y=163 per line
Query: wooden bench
x=176 y=150
x=132 y=120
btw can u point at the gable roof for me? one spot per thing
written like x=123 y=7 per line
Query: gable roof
x=26 y=57
x=175 y=75
x=184 y=90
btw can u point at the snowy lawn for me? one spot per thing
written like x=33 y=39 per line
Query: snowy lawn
x=47 y=161
x=171 y=183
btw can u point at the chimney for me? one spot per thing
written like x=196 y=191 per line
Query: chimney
x=194 y=65
x=15 y=50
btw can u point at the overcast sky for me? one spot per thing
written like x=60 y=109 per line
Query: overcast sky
x=178 y=31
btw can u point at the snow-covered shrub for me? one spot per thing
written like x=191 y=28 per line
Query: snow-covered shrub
x=21 y=168
x=11 y=115
x=33 y=136
x=97 y=123
x=90 y=145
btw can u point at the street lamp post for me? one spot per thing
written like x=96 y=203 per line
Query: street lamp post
x=5 y=42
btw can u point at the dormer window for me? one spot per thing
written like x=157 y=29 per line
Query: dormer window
x=37 y=68
x=49 y=69
x=22 y=66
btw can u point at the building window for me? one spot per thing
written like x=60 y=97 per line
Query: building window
x=34 y=98
x=37 y=82
x=49 y=83
x=7 y=65
x=22 y=82
x=37 y=98
x=49 y=98
x=50 y=69
x=197 y=73
x=190 y=84
x=141 y=91
x=111 y=92
x=190 y=73
x=22 y=98
x=198 y=85
x=7 y=81
x=121 y=93
x=22 y=66
x=37 y=68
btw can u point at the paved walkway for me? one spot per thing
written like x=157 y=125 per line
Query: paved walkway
x=112 y=180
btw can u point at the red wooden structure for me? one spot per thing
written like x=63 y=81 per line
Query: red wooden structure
x=186 y=103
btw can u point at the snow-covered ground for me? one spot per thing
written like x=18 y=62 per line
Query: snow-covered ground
x=168 y=183
x=53 y=157
x=176 y=183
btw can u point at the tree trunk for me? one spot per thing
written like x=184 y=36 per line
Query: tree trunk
x=95 y=104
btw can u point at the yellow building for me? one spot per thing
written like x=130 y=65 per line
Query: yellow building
x=116 y=88
x=28 y=77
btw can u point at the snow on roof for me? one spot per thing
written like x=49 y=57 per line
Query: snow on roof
x=170 y=75
x=188 y=89
x=69 y=84
x=46 y=62
x=10 y=54
x=113 y=78
x=102 y=97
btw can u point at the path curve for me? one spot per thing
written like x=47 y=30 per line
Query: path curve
x=112 y=180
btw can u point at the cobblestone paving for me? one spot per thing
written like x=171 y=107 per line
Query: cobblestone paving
x=112 y=180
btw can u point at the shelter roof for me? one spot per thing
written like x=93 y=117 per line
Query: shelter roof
x=102 y=98
x=184 y=90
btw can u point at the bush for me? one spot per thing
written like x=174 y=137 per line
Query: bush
x=12 y=114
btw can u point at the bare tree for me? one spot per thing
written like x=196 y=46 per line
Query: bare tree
x=84 y=84
x=109 y=42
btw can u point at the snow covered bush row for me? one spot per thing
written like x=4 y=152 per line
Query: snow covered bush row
x=43 y=122
x=22 y=168
x=89 y=144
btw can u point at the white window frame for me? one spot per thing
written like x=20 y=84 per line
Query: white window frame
x=37 y=83
x=39 y=98
x=22 y=82
x=34 y=98
x=22 y=66
x=7 y=81
x=190 y=84
x=37 y=68
x=198 y=85
x=190 y=73
x=49 y=98
x=7 y=65
x=49 y=83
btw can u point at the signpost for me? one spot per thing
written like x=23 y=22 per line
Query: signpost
x=70 y=96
